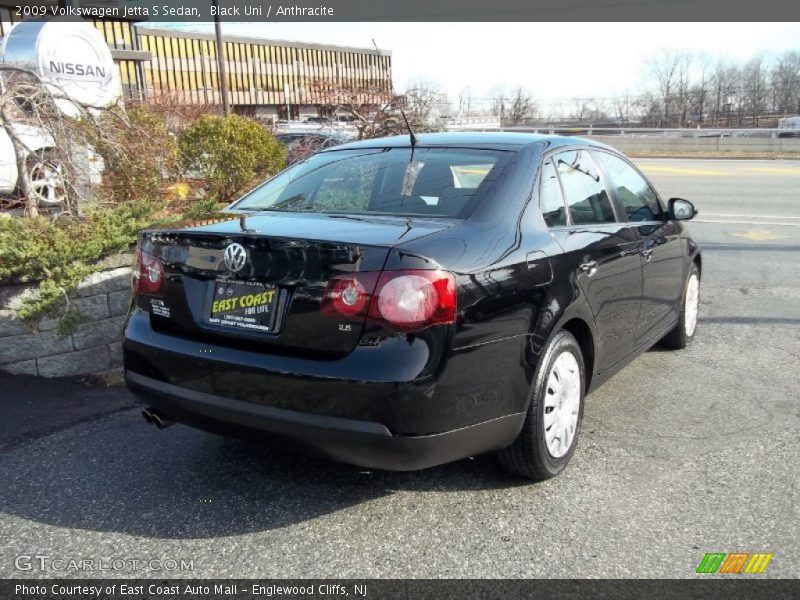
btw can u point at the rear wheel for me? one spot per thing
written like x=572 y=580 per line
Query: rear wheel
x=683 y=332
x=547 y=440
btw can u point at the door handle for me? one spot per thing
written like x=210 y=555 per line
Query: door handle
x=589 y=267
x=647 y=253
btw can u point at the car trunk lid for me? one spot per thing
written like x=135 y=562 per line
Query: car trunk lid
x=271 y=301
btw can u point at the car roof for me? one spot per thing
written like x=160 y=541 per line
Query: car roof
x=475 y=139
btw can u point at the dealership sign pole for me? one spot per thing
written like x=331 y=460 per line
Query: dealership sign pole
x=223 y=78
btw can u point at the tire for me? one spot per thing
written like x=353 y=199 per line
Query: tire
x=530 y=455
x=47 y=177
x=684 y=331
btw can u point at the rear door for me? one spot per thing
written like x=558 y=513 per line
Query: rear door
x=661 y=250
x=602 y=250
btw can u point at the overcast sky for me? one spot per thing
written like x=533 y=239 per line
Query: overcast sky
x=556 y=61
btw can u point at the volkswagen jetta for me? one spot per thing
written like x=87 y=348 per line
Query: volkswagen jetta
x=404 y=302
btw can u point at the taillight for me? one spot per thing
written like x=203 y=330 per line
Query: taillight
x=402 y=301
x=348 y=295
x=148 y=274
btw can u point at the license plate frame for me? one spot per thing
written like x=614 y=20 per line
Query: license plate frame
x=243 y=305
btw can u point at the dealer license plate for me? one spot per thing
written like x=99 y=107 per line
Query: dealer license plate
x=244 y=305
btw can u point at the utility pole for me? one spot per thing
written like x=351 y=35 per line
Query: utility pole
x=223 y=78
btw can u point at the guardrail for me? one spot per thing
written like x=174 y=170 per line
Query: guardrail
x=651 y=132
x=472 y=123
x=339 y=127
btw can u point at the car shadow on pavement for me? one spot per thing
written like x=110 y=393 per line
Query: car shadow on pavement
x=117 y=474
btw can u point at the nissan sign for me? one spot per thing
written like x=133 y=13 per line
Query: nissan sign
x=73 y=59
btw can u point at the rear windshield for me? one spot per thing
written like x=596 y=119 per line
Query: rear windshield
x=443 y=182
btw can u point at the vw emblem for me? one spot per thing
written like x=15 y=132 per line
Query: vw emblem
x=235 y=257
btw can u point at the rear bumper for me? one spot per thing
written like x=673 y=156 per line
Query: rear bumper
x=364 y=443
x=413 y=387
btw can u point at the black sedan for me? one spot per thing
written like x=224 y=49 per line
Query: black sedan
x=400 y=303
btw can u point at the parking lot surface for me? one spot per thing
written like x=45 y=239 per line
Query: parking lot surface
x=682 y=453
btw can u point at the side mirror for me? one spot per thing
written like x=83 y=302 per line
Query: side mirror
x=681 y=210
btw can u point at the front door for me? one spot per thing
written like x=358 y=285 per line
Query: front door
x=660 y=250
x=662 y=269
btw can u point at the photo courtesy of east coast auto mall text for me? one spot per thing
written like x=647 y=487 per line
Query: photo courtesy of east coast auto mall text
x=333 y=299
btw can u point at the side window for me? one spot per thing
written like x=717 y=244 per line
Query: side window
x=551 y=201
x=587 y=199
x=638 y=198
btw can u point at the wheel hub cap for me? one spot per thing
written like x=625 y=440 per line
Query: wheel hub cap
x=562 y=402
x=692 y=304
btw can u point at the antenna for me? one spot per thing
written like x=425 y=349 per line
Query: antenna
x=410 y=131
x=412 y=137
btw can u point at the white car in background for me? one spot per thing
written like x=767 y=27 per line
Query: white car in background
x=790 y=127
x=43 y=164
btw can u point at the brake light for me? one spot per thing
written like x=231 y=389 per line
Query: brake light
x=404 y=301
x=148 y=274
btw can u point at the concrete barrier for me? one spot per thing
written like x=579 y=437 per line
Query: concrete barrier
x=716 y=145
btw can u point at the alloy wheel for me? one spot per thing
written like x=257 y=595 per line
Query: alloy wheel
x=47 y=181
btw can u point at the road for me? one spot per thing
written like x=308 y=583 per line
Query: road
x=681 y=454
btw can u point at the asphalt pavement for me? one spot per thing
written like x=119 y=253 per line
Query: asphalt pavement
x=682 y=453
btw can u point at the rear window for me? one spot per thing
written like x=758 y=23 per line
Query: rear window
x=444 y=182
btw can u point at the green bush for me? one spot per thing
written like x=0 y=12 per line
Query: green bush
x=201 y=209
x=61 y=253
x=230 y=153
x=140 y=156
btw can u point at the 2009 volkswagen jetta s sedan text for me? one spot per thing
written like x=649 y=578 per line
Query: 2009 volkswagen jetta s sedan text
x=404 y=302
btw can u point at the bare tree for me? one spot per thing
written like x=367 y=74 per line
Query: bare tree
x=498 y=101
x=372 y=109
x=623 y=105
x=425 y=102
x=700 y=90
x=521 y=106
x=785 y=82
x=375 y=112
x=31 y=108
x=754 y=87
x=60 y=173
x=683 y=84
x=679 y=88
x=465 y=102
x=9 y=112
x=724 y=82
x=587 y=110
x=665 y=69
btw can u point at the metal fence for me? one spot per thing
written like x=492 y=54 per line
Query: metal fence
x=638 y=131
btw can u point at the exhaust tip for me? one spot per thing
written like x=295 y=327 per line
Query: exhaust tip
x=156 y=418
